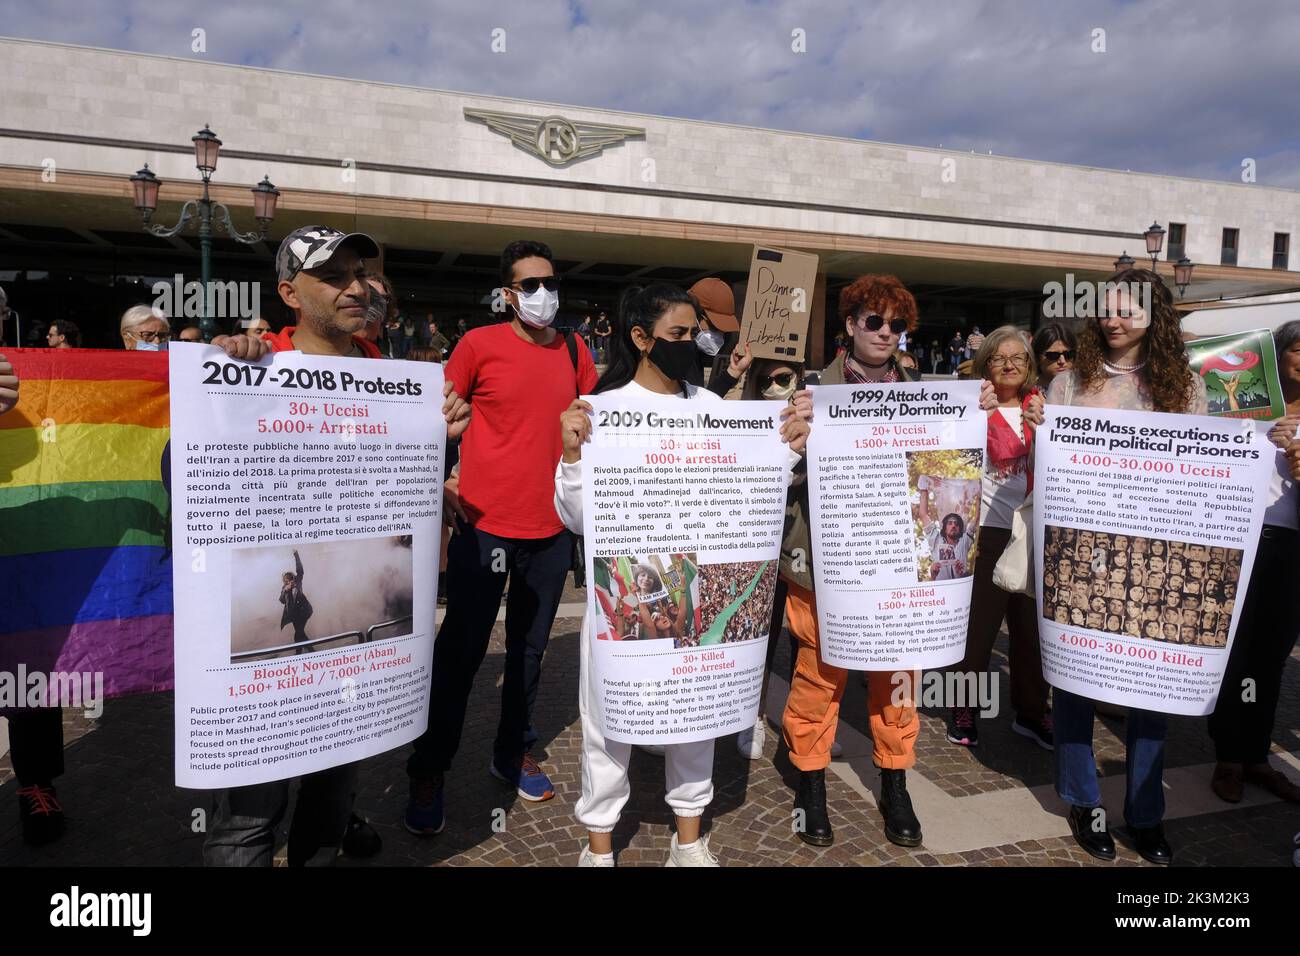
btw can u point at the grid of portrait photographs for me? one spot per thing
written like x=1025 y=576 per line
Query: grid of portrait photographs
x=1151 y=588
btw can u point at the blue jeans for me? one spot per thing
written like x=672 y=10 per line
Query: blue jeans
x=478 y=564
x=1076 y=767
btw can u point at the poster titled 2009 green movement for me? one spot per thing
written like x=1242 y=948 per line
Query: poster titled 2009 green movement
x=1240 y=374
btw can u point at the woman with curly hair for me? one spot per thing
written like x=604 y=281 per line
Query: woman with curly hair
x=1129 y=357
x=876 y=310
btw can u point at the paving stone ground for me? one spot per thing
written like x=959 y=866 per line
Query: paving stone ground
x=124 y=810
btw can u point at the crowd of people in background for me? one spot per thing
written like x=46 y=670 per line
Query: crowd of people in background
x=516 y=491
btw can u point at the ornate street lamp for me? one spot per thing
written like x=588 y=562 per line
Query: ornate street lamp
x=1183 y=274
x=1125 y=261
x=1155 y=237
x=207 y=148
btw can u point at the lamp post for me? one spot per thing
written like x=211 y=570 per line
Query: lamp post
x=1155 y=237
x=145 y=186
x=1125 y=261
x=1183 y=274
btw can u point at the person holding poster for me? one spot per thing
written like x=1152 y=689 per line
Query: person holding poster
x=651 y=352
x=876 y=309
x=1126 y=359
x=321 y=276
x=1005 y=361
x=1242 y=726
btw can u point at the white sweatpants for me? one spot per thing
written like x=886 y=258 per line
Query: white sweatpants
x=688 y=768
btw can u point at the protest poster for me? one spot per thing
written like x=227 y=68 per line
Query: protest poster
x=683 y=508
x=894 y=491
x=1145 y=530
x=778 y=303
x=306 y=509
x=1240 y=374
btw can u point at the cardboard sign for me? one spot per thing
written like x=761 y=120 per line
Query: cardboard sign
x=1240 y=373
x=778 y=303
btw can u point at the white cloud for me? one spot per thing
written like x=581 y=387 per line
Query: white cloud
x=1184 y=88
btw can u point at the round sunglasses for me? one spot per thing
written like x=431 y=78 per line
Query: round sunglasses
x=874 y=323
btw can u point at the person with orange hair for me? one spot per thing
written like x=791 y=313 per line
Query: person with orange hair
x=877 y=310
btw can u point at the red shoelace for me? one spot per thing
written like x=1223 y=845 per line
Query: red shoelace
x=42 y=799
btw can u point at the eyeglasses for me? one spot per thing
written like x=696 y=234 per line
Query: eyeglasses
x=780 y=380
x=1055 y=356
x=530 y=285
x=1014 y=361
x=874 y=323
x=150 y=336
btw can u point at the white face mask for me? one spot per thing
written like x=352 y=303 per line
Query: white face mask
x=776 y=391
x=538 y=309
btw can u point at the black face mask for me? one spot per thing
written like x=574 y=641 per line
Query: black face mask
x=674 y=359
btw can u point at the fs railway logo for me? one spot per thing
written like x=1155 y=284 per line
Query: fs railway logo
x=554 y=139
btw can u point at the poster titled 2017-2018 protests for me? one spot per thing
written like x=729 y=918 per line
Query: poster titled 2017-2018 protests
x=306 y=510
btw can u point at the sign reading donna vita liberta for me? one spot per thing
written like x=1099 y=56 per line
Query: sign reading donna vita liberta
x=554 y=139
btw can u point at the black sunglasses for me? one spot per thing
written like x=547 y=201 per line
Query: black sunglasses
x=1055 y=356
x=874 y=323
x=531 y=285
x=780 y=379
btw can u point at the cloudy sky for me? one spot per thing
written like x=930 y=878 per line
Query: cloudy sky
x=1183 y=87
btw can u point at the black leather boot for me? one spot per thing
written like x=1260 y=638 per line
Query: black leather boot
x=811 y=799
x=1092 y=832
x=901 y=825
x=1151 y=844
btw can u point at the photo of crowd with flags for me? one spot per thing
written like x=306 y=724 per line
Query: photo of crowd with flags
x=673 y=597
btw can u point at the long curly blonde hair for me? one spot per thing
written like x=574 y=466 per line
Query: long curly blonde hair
x=1167 y=377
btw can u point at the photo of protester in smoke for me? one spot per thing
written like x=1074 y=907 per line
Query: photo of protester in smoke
x=338 y=589
x=1148 y=588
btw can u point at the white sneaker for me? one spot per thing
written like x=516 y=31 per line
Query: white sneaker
x=750 y=741
x=656 y=750
x=693 y=854
x=837 y=751
x=587 y=858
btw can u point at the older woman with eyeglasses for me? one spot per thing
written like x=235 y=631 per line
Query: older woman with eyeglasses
x=145 y=329
x=1007 y=366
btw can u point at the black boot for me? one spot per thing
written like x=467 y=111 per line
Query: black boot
x=1088 y=824
x=1151 y=844
x=811 y=799
x=901 y=825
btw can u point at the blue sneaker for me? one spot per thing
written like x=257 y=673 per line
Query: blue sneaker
x=424 y=816
x=527 y=777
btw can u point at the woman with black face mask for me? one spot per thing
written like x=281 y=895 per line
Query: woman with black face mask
x=652 y=351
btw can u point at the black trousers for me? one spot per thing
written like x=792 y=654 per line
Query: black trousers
x=478 y=565
x=1266 y=633
x=36 y=744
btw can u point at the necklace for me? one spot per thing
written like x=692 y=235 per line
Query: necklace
x=1121 y=369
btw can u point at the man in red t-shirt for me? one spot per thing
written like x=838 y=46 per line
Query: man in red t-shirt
x=519 y=376
x=322 y=278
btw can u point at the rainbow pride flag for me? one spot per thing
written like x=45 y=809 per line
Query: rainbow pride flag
x=85 y=562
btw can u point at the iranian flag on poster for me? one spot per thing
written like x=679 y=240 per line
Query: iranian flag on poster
x=691 y=590
x=604 y=599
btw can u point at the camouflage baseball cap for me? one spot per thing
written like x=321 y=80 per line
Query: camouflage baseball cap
x=312 y=246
